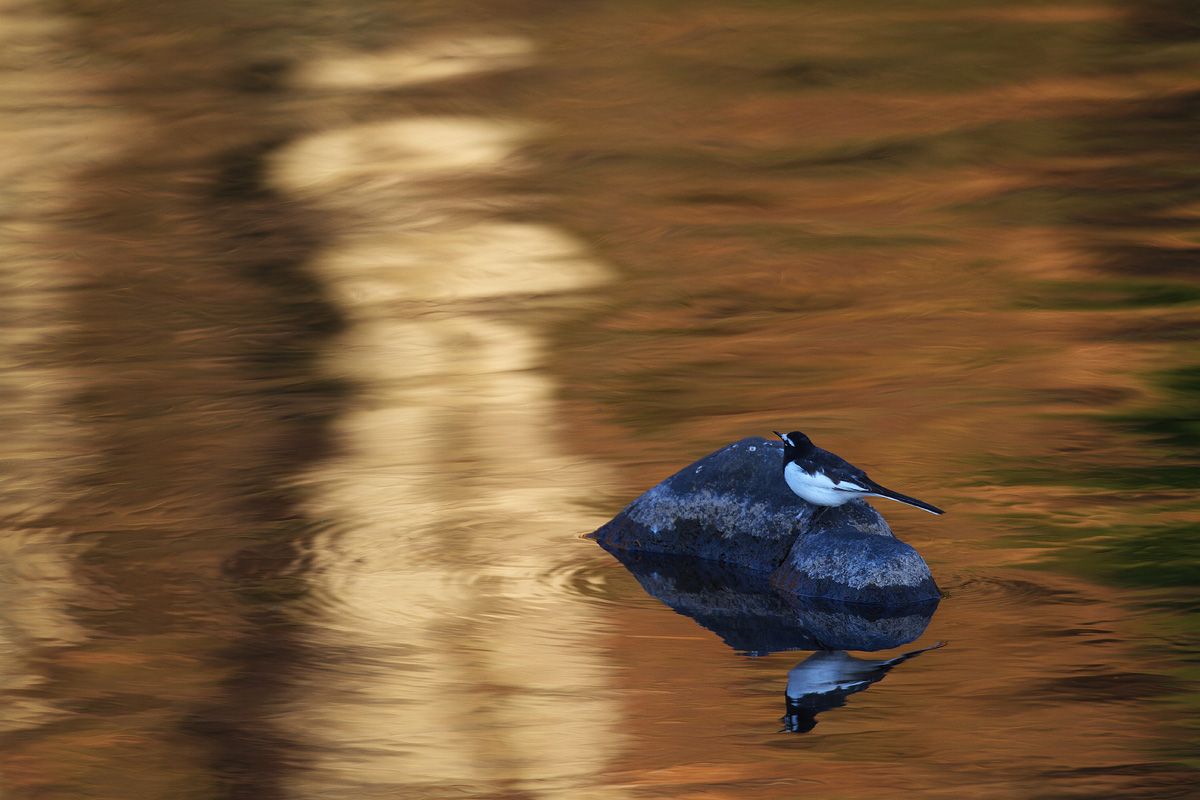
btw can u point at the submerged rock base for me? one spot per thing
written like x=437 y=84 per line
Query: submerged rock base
x=733 y=506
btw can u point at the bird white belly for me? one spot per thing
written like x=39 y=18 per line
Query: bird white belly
x=824 y=672
x=818 y=489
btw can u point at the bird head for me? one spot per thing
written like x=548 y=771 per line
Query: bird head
x=794 y=441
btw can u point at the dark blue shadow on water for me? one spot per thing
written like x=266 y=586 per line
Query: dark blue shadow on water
x=751 y=616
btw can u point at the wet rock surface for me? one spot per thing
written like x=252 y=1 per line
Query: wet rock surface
x=855 y=566
x=733 y=507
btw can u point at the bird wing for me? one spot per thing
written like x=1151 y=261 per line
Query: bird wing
x=842 y=475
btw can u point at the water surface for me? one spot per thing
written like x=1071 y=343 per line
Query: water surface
x=329 y=329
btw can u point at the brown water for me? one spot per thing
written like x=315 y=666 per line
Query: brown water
x=327 y=329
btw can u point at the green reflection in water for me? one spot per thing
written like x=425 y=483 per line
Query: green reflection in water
x=1155 y=558
x=1104 y=295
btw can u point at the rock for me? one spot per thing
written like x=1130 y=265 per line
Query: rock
x=733 y=506
x=857 y=567
x=730 y=506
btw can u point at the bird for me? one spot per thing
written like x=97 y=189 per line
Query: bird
x=824 y=479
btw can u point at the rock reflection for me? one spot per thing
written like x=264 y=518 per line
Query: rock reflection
x=749 y=615
x=742 y=608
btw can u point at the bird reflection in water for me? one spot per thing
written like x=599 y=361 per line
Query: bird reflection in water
x=751 y=616
x=825 y=679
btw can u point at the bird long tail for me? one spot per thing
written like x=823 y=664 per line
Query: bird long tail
x=879 y=491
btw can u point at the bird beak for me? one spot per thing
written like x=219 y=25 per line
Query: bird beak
x=781 y=436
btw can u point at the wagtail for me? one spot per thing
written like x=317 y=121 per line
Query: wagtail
x=824 y=479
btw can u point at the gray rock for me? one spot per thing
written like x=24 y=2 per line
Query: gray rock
x=857 y=567
x=733 y=506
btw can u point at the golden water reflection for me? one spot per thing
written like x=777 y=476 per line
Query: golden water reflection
x=41 y=451
x=450 y=502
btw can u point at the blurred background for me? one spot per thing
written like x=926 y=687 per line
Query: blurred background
x=328 y=328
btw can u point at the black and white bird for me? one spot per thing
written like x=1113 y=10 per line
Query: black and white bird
x=824 y=479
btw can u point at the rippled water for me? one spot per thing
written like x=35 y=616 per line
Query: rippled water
x=327 y=331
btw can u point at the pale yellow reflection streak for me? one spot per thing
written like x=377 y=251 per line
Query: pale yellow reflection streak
x=436 y=59
x=456 y=664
